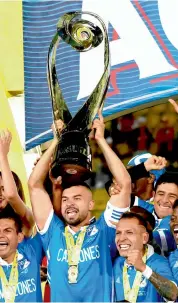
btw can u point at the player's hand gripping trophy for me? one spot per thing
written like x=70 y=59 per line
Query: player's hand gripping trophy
x=72 y=157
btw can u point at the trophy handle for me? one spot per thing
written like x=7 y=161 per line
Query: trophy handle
x=84 y=117
x=60 y=109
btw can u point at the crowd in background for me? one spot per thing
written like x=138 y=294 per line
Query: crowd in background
x=154 y=130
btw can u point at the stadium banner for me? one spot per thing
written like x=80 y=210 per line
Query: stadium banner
x=144 y=59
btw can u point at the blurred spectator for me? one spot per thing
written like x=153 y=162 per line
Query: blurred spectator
x=142 y=138
x=122 y=130
x=165 y=138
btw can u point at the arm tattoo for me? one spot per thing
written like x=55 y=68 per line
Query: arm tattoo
x=165 y=287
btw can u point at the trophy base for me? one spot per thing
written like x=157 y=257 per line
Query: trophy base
x=72 y=157
x=71 y=173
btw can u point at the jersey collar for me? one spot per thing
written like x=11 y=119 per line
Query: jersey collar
x=3 y=263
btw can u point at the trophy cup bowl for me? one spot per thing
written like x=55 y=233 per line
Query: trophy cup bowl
x=72 y=156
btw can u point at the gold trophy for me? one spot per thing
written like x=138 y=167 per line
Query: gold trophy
x=72 y=157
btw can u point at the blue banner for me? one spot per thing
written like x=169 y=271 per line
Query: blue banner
x=144 y=59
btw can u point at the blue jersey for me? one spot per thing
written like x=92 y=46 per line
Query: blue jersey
x=94 y=283
x=162 y=233
x=29 y=259
x=173 y=262
x=147 y=292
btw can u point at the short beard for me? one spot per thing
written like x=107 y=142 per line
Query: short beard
x=74 y=223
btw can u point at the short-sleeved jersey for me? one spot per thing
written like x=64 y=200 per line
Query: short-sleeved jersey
x=173 y=262
x=162 y=233
x=94 y=282
x=147 y=292
x=29 y=284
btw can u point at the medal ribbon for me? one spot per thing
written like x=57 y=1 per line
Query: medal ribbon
x=132 y=294
x=9 y=287
x=73 y=250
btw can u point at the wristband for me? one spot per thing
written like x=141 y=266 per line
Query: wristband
x=147 y=272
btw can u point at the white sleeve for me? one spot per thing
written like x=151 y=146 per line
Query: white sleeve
x=47 y=224
x=113 y=214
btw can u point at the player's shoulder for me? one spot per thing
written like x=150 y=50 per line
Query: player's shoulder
x=166 y=220
x=157 y=261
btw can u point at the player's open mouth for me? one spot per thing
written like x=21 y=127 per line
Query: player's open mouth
x=71 y=212
x=166 y=206
x=124 y=246
x=3 y=245
x=175 y=230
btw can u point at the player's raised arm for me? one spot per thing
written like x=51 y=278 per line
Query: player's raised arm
x=11 y=187
x=115 y=166
x=41 y=203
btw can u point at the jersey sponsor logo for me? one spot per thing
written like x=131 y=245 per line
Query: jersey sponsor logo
x=86 y=254
x=24 y=287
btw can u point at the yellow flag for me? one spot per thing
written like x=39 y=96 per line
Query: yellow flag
x=11 y=46
x=12 y=79
x=16 y=151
